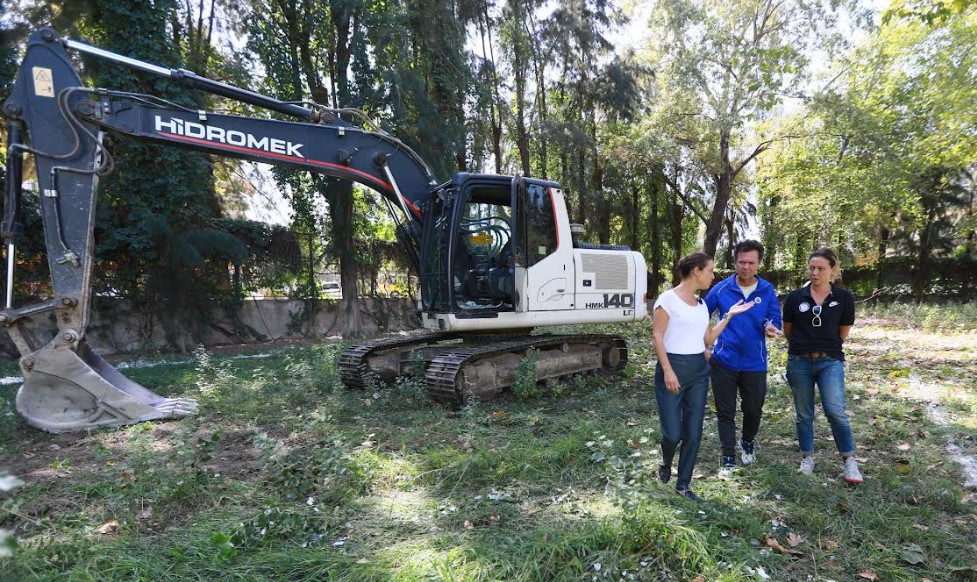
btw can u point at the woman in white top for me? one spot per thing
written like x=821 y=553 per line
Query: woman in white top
x=682 y=332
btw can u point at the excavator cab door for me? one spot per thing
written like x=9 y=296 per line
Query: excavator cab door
x=545 y=249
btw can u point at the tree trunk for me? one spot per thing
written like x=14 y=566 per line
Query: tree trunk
x=542 y=114
x=313 y=285
x=341 y=200
x=730 y=242
x=922 y=272
x=519 y=65
x=604 y=227
x=635 y=215
x=582 y=192
x=883 y=251
x=656 y=242
x=771 y=239
x=496 y=100
x=676 y=228
x=724 y=188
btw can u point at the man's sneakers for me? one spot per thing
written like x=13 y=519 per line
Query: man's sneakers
x=807 y=466
x=852 y=474
x=689 y=494
x=749 y=452
x=726 y=467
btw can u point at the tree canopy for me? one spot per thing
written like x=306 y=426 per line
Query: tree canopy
x=801 y=123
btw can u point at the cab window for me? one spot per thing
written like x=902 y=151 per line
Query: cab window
x=540 y=223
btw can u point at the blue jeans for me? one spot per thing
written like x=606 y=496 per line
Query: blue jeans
x=681 y=414
x=829 y=374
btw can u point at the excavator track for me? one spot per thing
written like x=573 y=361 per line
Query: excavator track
x=354 y=362
x=485 y=371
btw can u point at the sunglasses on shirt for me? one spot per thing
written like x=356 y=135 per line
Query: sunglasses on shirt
x=816 y=320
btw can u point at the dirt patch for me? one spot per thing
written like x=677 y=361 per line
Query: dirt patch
x=53 y=458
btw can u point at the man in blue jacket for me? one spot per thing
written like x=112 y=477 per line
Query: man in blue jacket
x=739 y=357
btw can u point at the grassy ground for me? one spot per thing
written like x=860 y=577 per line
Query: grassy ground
x=287 y=476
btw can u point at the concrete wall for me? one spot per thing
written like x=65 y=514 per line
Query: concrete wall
x=118 y=326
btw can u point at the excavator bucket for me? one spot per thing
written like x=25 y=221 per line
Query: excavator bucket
x=74 y=389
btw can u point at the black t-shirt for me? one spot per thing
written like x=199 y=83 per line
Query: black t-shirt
x=802 y=313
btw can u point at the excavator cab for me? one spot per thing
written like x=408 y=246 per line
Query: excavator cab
x=484 y=229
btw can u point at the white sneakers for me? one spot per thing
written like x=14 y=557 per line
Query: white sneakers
x=851 y=474
x=807 y=466
x=749 y=452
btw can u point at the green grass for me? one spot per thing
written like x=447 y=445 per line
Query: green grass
x=285 y=475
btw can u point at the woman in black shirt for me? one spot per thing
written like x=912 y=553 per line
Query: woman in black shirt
x=817 y=319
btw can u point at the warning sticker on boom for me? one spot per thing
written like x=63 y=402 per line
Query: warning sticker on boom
x=43 y=82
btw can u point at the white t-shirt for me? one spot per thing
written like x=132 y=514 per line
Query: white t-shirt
x=748 y=290
x=687 y=325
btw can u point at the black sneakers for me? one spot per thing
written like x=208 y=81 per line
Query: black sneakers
x=664 y=473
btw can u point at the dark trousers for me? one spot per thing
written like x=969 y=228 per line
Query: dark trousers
x=681 y=414
x=752 y=390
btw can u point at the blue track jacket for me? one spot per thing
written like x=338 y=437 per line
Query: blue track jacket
x=743 y=345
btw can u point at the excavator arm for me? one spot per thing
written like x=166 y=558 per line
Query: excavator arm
x=53 y=116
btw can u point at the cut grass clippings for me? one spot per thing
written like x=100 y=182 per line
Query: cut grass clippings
x=285 y=475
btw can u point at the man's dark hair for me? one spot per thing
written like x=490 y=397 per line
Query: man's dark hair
x=745 y=246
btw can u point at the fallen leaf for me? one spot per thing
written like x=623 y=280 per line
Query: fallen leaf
x=362 y=561
x=698 y=579
x=913 y=554
x=108 y=527
x=794 y=540
x=632 y=422
x=903 y=446
x=827 y=545
x=632 y=444
x=469 y=524
x=868 y=575
x=54 y=448
x=368 y=402
x=495 y=517
x=146 y=513
x=773 y=543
